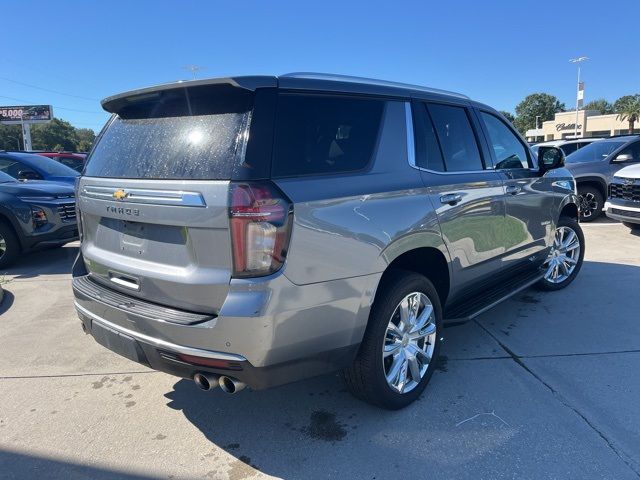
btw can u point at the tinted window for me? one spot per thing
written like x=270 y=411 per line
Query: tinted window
x=633 y=150
x=508 y=150
x=323 y=134
x=457 y=140
x=190 y=133
x=594 y=151
x=4 y=178
x=428 y=154
x=13 y=168
x=569 y=148
x=74 y=163
x=47 y=165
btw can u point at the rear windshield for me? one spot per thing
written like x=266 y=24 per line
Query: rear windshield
x=189 y=133
x=593 y=152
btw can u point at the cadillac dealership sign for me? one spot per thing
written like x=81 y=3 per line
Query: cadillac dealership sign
x=567 y=126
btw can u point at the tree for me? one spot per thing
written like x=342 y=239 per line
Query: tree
x=56 y=133
x=537 y=104
x=508 y=115
x=10 y=137
x=85 y=137
x=601 y=105
x=628 y=108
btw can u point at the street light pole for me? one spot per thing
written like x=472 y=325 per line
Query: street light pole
x=577 y=61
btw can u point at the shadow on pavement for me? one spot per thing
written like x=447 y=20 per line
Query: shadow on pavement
x=20 y=465
x=283 y=431
x=7 y=301
x=45 y=262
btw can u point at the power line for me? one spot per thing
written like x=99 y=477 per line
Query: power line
x=94 y=112
x=49 y=90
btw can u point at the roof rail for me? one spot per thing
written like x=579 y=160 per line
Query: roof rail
x=370 y=81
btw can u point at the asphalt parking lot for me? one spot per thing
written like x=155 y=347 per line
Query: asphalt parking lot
x=545 y=385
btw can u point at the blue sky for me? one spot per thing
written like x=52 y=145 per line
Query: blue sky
x=497 y=52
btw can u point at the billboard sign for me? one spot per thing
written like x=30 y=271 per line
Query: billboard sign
x=26 y=114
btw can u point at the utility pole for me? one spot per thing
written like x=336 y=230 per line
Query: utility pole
x=579 y=92
x=26 y=134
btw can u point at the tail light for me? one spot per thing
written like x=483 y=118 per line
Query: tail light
x=260 y=216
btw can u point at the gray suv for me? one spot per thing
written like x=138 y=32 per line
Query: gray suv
x=260 y=230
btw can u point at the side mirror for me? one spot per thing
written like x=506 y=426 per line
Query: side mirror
x=623 y=157
x=550 y=158
x=28 y=175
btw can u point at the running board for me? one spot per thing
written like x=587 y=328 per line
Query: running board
x=487 y=299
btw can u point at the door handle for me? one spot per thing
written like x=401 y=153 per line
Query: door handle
x=124 y=281
x=513 y=189
x=451 y=198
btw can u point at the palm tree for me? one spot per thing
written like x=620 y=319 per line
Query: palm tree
x=628 y=108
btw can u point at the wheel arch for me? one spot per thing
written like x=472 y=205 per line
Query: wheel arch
x=596 y=182
x=430 y=260
x=569 y=207
x=7 y=217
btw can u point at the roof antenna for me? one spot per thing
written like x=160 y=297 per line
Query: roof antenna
x=194 y=69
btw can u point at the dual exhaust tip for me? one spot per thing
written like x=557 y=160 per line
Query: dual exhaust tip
x=209 y=381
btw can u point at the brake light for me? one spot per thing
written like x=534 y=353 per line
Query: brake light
x=260 y=216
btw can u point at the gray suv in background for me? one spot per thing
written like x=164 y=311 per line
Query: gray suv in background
x=260 y=230
x=593 y=168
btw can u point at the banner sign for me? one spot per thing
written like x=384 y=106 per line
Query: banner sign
x=26 y=113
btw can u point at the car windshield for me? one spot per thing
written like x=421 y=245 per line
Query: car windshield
x=4 y=178
x=52 y=167
x=593 y=152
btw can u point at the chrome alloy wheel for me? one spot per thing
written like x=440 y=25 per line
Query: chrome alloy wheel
x=588 y=204
x=409 y=342
x=3 y=246
x=564 y=255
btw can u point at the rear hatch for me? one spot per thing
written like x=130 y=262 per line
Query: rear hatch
x=154 y=194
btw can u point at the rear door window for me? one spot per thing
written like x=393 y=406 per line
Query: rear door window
x=323 y=134
x=189 y=133
x=456 y=136
x=428 y=153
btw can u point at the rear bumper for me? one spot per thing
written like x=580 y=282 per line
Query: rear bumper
x=623 y=211
x=267 y=333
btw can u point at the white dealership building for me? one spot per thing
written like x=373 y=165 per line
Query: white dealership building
x=590 y=124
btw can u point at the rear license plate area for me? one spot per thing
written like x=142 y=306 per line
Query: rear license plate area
x=121 y=344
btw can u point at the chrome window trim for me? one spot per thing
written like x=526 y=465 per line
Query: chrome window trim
x=156 y=342
x=411 y=149
x=411 y=143
x=176 y=198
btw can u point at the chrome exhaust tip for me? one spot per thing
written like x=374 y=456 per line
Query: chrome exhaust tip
x=206 y=381
x=231 y=385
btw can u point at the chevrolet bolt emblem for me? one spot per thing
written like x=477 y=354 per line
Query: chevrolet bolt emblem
x=629 y=181
x=120 y=194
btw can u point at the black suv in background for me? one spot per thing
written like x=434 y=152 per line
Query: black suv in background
x=33 y=215
x=593 y=168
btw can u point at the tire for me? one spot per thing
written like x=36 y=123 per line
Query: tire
x=366 y=378
x=591 y=203
x=632 y=226
x=549 y=283
x=9 y=245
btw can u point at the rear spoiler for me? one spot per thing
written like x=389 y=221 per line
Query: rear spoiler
x=114 y=103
